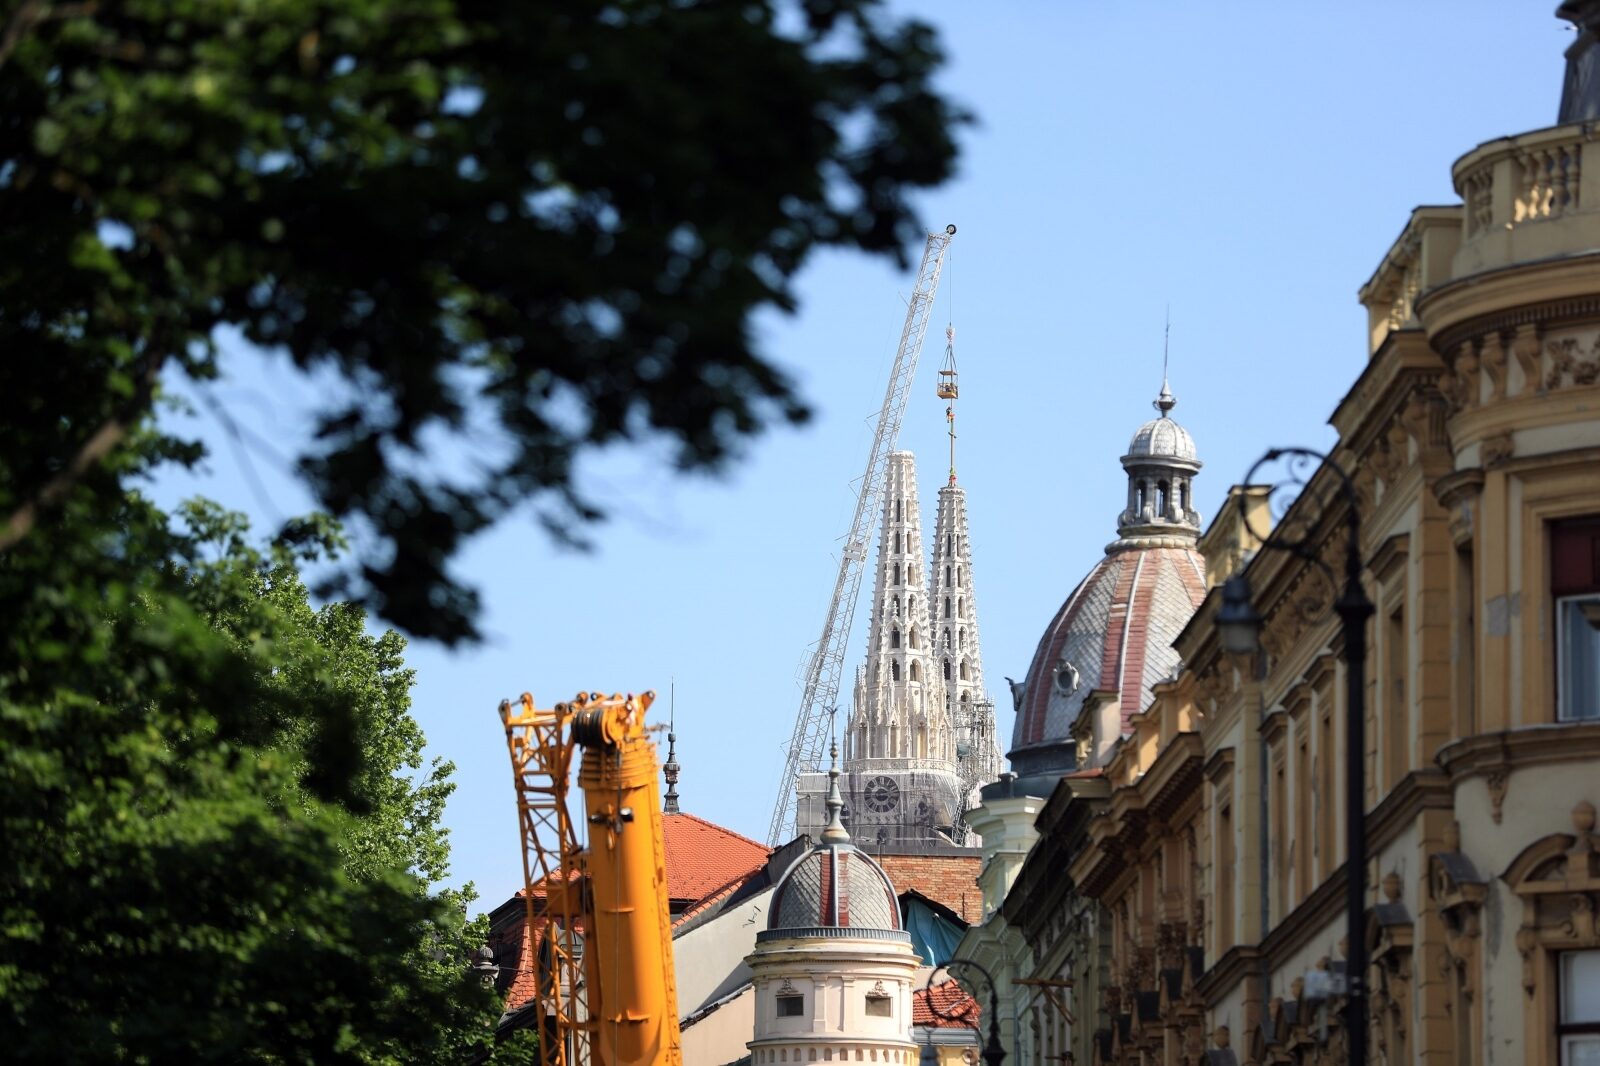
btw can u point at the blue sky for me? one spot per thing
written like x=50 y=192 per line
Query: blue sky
x=1246 y=163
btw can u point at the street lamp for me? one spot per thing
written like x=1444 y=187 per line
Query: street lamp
x=1239 y=628
x=993 y=1053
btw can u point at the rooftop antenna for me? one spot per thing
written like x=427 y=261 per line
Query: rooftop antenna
x=670 y=804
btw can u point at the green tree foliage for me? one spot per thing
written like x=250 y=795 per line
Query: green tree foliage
x=220 y=834
x=517 y=229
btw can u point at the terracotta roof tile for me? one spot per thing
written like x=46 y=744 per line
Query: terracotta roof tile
x=703 y=857
x=951 y=1008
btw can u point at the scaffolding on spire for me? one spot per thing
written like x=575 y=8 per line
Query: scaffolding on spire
x=949 y=390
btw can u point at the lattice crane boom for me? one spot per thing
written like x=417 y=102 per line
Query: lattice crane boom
x=826 y=667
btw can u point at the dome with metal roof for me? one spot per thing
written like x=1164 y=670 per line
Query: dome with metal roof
x=1111 y=640
x=1162 y=437
x=836 y=885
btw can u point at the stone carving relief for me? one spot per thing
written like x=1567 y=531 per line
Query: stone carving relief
x=1494 y=365
x=1558 y=881
x=1497 y=449
x=1573 y=362
x=1466 y=373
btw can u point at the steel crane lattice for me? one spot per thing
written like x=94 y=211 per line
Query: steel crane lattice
x=826 y=667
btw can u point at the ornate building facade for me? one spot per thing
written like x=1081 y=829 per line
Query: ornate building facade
x=1202 y=915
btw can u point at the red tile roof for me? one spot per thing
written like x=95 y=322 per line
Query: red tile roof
x=952 y=1007
x=703 y=857
x=705 y=863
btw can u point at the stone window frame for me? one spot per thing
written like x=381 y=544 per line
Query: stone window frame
x=1557 y=879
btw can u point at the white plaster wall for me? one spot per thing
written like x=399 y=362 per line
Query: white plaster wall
x=709 y=959
x=720 y=1037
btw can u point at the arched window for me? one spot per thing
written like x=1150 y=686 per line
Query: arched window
x=961 y=637
x=899 y=511
x=894 y=670
x=897 y=573
x=947 y=574
x=1183 y=496
x=961 y=607
x=916 y=675
x=899 y=542
x=894 y=638
x=958 y=577
x=947 y=669
x=964 y=670
x=947 y=606
x=1161 y=498
x=1139 y=504
x=915 y=643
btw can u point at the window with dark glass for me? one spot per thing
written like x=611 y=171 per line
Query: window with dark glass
x=791 y=1006
x=1575 y=588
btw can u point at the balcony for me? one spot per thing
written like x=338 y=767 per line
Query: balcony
x=1528 y=198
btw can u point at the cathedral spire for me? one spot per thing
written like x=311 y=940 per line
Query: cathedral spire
x=957 y=650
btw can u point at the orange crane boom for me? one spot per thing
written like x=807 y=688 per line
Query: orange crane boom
x=606 y=993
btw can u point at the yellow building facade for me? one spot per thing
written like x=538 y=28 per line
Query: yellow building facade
x=1201 y=917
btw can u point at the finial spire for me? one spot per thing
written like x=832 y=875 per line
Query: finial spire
x=1165 y=402
x=834 y=832
x=670 y=770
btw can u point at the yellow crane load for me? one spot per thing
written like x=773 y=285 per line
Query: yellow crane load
x=598 y=914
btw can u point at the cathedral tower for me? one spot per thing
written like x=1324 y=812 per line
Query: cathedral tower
x=899 y=740
x=954 y=607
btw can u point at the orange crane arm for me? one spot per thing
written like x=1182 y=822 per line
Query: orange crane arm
x=607 y=992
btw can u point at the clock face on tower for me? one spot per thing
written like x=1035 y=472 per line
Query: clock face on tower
x=882 y=795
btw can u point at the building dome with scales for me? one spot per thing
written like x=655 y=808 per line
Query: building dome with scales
x=833 y=969
x=1111 y=641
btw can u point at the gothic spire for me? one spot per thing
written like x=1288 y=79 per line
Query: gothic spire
x=670 y=769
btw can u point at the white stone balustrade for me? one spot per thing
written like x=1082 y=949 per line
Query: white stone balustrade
x=1511 y=185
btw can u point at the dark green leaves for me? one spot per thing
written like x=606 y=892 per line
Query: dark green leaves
x=548 y=221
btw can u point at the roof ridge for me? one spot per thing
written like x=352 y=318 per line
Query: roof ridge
x=719 y=828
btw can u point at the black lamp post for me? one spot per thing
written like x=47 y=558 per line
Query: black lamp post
x=993 y=1053
x=1239 y=627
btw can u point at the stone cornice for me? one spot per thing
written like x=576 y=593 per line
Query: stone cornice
x=1220 y=765
x=1532 y=745
x=1383 y=385
x=1275 y=726
x=1323 y=905
x=1225 y=975
x=1390 y=555
x=1543 y=293
x=1420 y=790
x=1173 y=778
